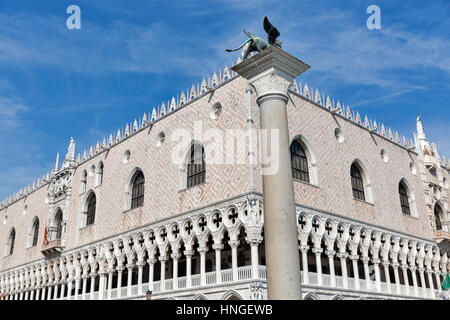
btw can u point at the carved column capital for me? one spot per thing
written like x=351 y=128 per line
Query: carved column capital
x=317 y=251
x=152 y=261
x=217 y=246
x=354 y=257
x=234 y=243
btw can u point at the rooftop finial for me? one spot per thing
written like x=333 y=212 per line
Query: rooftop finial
x=420 y=133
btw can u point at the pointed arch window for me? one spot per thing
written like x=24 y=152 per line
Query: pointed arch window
x=90 y=215
x=196 y=169
x=404 y=199
x=58 y=224
x=11 y=242
x=100 y=174
x=357 y=183
x=299 y=162
x=35 y=233
x=137 y=194
x=437 y=218
x=83 y=181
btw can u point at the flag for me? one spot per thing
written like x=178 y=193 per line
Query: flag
x=45 y=237
x=446 y=283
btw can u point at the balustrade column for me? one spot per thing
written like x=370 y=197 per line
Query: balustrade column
x=304 y=250
x=366 y=272
x=26 y=295
x=218 y=249
x=188 y=255
x=318 y=252
x=43 y=291
x=63 y=286
x=175 y=257
x=151 y=270
x=119 y=280
x=387 y=276
x=129 y=279
x=343 y=256
x=202 y=252
x=140 y=265
x=405 y=277
x=110 y=282
x=330 y=254
x=354 y=259
x=32 y=294
x=414 y=277
x=163 y=260
x=234 y=245
x=376 y=265
x=38 y=290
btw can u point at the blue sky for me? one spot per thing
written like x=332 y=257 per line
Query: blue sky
x=131 y=55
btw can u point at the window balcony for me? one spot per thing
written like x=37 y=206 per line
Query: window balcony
x=54 y=246
x=441 y=235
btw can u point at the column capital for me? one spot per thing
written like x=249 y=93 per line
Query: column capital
x=234 y=243
x=188 y=253
x=140 y=263
x=395 y=265
x=354 y=257
x=385 y=263
x=217 y=246
x=175 y=256
x=303 y=248
x=152 y=261
x=163 y=258
x=130 y=266
x=202 y=249
x=365 y=260
x=317 y=251
x=330 y=253
x=342 y=255
x=376 y=261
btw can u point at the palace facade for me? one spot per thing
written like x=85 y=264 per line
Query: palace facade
x=124 y=217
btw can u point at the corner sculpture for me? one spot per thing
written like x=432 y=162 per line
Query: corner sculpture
x=255 y=43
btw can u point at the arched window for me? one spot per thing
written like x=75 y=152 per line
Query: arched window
x=437 y=217
x=58 y=224
x=99 y=174
x=404 y=198
x=90 y=214
x=357 y=182
x=11 y=241
x=137 y=194
x=196 y=169
x=35 y=232
x=83 y=182
x=299 y=162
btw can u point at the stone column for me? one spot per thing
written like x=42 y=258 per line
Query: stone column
x=36 y=296
x=304 y=250
x=188 y=254
x=119 y=280
x=110 y=282
x=405 y=277
x=218 y=249
x=83 y=290
x=102 y=285
x=254 y=244
x=43 y=291
x=140 y=265
x=422 y=279
x=63 y=288
x=130 y=267
x=387 y=276
x=414 y=277
x=438 y=280
x=318 y=252
x=175 y=257
x=93 y=275
x=271 y=72
x=397 y=278
x=376 y=264
x=151 y=270
x=343 y=256
x=234 y=245
x=430 y=281
x=163 y=260
x=366 y=272
x=202 y=251
x=354 y=259
x=330 y=254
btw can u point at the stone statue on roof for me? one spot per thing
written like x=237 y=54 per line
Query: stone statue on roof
x=255 y=43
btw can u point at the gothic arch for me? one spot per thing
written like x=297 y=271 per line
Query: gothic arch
x=367 y=182
x=310 y=156
x=231 y=295
x=411 y=197
x=10 y=241
x=35 y=223
x=84 y=206
x=129 y=186
x=199 y=296
x=439 y=216
x=311 y=296
x=193 y=147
